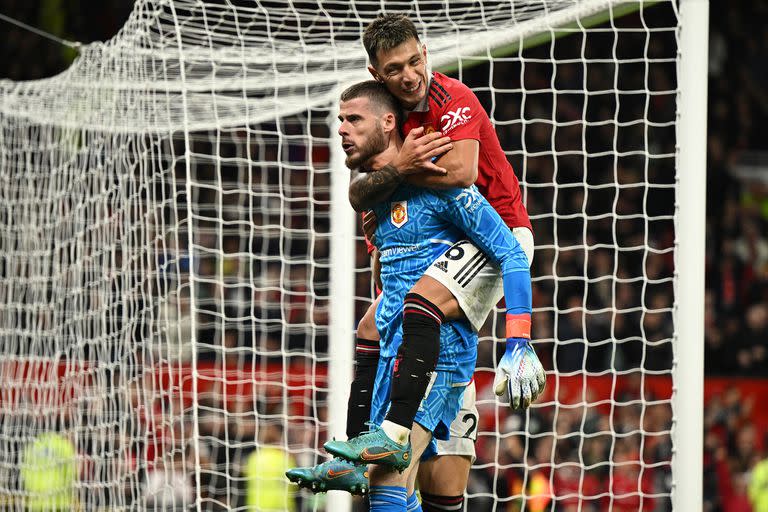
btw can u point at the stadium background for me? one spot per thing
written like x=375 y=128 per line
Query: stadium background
x=736 y=356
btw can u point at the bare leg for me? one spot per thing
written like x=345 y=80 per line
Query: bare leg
x=445 y=475
x=366 y=329
x=434 y=291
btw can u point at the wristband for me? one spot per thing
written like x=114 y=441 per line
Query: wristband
x=519 y=325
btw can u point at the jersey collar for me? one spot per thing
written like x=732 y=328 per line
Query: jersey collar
x=423 y=105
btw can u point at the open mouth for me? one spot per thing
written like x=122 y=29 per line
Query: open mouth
x=413 y=89
x=347 y=146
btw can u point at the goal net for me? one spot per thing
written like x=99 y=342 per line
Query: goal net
x=180 y=270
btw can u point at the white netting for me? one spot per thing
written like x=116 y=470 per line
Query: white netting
x=248 y=62
x=165 y=244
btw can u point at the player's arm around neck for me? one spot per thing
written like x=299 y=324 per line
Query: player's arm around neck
x=460 y=164
x=367 y=189
x=415 y=156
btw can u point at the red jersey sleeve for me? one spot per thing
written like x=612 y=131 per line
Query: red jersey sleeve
x=368 y=245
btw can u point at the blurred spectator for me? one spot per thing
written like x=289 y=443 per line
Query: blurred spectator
x=168 y=487
x=732 y=450
x=175 y=321
x=751 y=345
x=49 y=472
x=758 y=487
x=267 y=488
x=630 y=485
x=569 y=353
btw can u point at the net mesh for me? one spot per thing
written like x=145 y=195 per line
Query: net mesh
x=165 y=241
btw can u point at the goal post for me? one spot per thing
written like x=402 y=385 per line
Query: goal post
x=181 y=272
x=342 y=314
x=692 y=200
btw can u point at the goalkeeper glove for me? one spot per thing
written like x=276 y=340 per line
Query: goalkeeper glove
x=519 y=377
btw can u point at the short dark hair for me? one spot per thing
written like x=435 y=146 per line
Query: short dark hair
x=377 y=94
x=386 y=32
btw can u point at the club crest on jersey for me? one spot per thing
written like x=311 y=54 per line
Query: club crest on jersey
x=399 y=213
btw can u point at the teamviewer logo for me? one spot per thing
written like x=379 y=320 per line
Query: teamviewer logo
x=455 y=118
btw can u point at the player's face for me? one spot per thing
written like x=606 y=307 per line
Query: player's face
x=403 y=69
x=362 y=134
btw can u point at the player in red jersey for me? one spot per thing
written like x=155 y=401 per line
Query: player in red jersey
x=439 y=107
x=452 y=109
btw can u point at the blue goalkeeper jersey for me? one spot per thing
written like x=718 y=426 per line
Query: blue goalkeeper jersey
x=415 y=227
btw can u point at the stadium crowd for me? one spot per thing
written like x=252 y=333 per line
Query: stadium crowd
x=574 y=318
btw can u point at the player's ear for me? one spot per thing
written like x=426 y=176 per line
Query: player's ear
x=374 y=74
x=389 y=123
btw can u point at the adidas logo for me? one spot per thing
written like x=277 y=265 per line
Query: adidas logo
x=442 y=265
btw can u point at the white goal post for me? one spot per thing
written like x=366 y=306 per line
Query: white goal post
x=181 y=272
x=691 y=199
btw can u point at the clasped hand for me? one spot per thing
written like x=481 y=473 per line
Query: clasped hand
x=520 y=377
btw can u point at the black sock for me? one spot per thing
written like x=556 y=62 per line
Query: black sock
x=416 y=358
x=435 y=503
x=359 y=405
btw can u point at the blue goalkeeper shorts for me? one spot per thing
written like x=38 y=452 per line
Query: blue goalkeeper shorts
x=440 y=406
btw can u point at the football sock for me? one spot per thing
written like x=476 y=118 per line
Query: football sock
x=436 y=503
x=413 y=505
x=361 y=391
x=387 y=498
x=395 y=432
x=416 y=358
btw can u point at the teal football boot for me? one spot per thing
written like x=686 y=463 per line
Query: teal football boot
x=373 y=447
x=332 y=475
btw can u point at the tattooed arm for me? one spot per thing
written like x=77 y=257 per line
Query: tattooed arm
x=368 y=189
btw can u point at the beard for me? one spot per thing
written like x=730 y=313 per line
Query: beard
x=375 y=144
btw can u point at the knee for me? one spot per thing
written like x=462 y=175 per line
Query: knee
x=366 y=329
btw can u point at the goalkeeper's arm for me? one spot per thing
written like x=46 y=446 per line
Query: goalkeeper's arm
x=519 y=374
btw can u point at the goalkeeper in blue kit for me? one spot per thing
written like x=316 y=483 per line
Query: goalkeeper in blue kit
x=420 y=224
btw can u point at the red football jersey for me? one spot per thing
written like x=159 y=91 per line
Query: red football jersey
x=368 y=245
x=452 y=108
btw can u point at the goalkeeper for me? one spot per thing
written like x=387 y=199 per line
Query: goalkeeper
x=399 y=60
x=421 y=221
